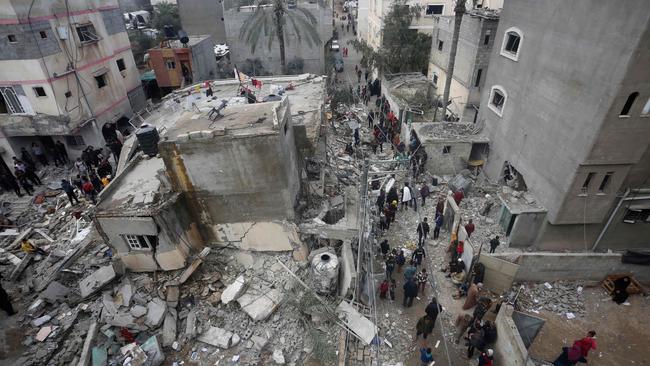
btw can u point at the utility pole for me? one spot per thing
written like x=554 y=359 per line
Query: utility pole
x=460 y=11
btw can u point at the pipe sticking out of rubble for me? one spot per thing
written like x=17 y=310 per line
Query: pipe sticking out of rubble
x=327 y=308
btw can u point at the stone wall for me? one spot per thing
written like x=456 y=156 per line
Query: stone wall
x=113 y=21
x=204 y=65
x=509 y=348
x=549 y=267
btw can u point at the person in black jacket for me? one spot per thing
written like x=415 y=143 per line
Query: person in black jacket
x=69 y=191
x=410 y=292
x=423 y=231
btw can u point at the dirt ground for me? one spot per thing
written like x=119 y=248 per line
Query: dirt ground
x=622 y=332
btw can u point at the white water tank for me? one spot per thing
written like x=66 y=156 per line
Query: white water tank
x=325 y=271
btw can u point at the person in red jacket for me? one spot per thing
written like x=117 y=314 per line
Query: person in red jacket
x=89 y=189
x=469 y=228
x=485 y=358
x=383 y=289
x=587 y=343
x=460 y=248
x=458 y=196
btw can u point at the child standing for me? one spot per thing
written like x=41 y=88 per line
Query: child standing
x=426 y=356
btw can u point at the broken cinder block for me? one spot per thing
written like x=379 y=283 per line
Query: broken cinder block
x=96 y=280
x=217 y=337
x=234 y=290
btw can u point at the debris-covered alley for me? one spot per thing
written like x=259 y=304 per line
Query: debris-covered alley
x=244 y=226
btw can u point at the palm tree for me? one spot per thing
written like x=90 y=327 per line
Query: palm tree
x=270 y=21
x=459 y=11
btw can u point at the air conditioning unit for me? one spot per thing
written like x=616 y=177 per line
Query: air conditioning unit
x=62 y=31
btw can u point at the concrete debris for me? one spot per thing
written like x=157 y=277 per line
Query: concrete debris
x=217 y=337
x=40 y=321
x=138 y=311
x=55 y=292
x=125 y=293
x=260 y=306
x=169 y=328
x=278 y=357
x=43 y=333
x=560 y=297
x=173 y=293
x=357 y=323
x=86 y=352
x=234 y=290
x=190 y=324
x=195 y=264
x=155 y=312
x=96 y=281
x=121 y=319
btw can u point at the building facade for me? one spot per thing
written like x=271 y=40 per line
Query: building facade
x=203 y=17
x=64 y=73
x=175 y=64
x=567 y=112
x=476 y=38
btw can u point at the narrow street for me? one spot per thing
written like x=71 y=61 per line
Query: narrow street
x=397 y=323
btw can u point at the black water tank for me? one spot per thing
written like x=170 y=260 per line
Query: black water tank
x=148 y=139
x=183 y=37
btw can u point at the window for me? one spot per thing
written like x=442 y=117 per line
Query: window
x=39 y=91
x=435 y=80
x=434 y=9
x=10 y=102
x=478 y=77
x=120 y=64
x=171 y=64
x=633 y=216
x=628 y=104
x=511 y=43
x=605 y=182
x=75 y=141
x=43 y=34
x=12 y=38
x=440 y=43
x=497 y=99
x=446 y=149
x=486 y=40
x=646 y=109
x=87 y=34
x=139 y=242
x=585 y=184
x=100 y=80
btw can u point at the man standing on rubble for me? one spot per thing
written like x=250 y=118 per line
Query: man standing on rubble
x=410 y=292
x=469 y=228
x=423 y=231
x=406 y=196
x=436 y=230
x=89 y=190
x=69 y=191
x=417 y=256
x=494 y=243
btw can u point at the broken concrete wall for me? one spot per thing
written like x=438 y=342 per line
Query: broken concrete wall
x=509 y=348
x=348 y=273
x=499 y=273
x=549 y=267
x=526 y=229
x=177 y=237
x=258 y=236
x=442 y=162
x=237 y=178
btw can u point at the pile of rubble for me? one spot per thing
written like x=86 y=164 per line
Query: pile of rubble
x=562 y=297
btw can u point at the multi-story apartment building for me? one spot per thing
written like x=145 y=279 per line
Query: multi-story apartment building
x=475 y=41
x=66 y=69
x=567 y=112
x=372 y=14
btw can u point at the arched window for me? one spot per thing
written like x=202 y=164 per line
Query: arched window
x=512 y=40
x=628 y=104
x=498 y=98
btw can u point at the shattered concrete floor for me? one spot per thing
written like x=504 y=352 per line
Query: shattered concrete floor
x=622 y=331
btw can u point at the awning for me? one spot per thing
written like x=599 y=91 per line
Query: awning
x=148 y=76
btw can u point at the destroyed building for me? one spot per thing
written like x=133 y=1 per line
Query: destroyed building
x=575 y=134
x=228 y=174
x=148 y=225
x=67 y=70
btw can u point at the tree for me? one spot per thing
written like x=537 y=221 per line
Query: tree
x=270 y=22
x=460 y=11
x=140 y=44
x=403 y=49
x=165 y=13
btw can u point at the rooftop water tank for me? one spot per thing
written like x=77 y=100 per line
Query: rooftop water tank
x=148 y=139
